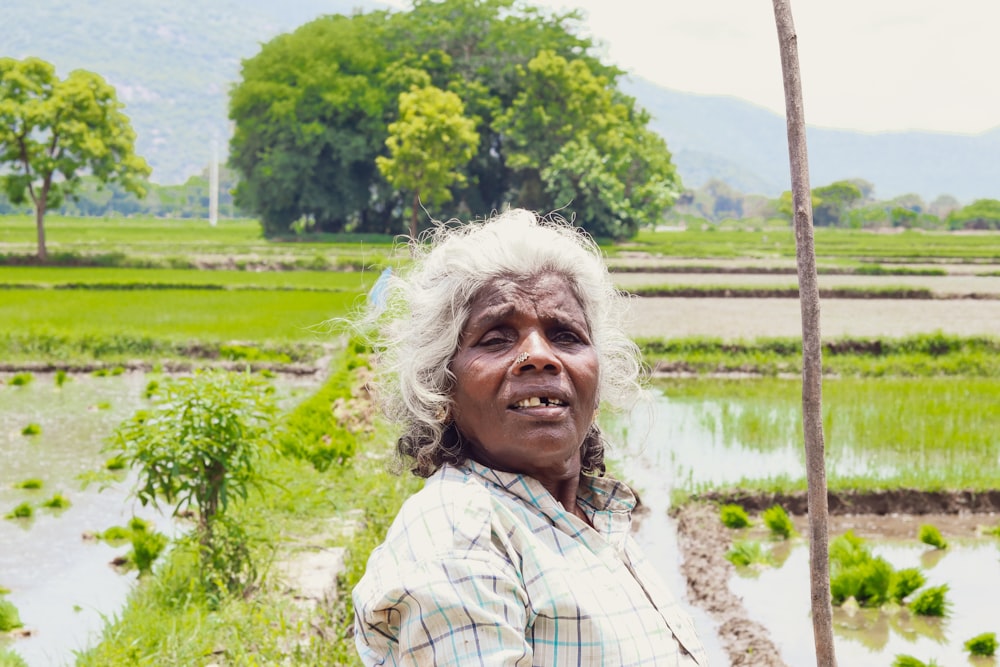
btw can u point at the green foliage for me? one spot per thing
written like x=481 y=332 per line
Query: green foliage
x=932 y=536
x=734 y=516
x=984 y=644
x=57 y=502
x=428 y=146
x=52 y=130
x=9 y=617
x=115 y=463
x=21 y=379
x=22 y=511
x=61 y=377
x=980 y=214
x=8 y=658
x=314 y=108
x=116 y=534
x=931 y=602
x=31 y=429
x=745 y=553
x=198 y=445
x=779 y=522
x=30 y=483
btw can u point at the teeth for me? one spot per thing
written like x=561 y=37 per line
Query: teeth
x=536 y=400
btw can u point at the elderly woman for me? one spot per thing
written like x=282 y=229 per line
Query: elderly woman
x=502 y=343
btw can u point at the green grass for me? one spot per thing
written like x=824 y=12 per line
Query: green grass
x=984 y=644
x=778 y=521
x=32 y=483
x=746 y=553
x=22 y=511
x=734 y=516
x=931 y=536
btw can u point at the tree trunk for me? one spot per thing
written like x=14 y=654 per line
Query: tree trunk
x=40 y=226
x=812 y=361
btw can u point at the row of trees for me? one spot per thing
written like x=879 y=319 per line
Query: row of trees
x=356 y=123
x=846 y=203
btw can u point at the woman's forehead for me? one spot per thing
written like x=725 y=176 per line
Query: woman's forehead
x=553 y=292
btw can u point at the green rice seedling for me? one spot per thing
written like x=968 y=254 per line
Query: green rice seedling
x=906 y=581
x=984 y=644
x=139 y=525
x=116 y=534
x=146 y=548
x=100 y=372
x=151 y=388
x=21 y=379
x=931 y=535
x=31 y=429
x=9 y=617
x=8 y=658
x=903 y=660
x=57 y=502
x=779 y=522
x=4 y=590
x=745 y=553
x=61 y=377
x=31 y=483
x=117 y=370
x=931 y=602
x=22 y=511
x=995 y=530
x=734 y=516
x=103 y=405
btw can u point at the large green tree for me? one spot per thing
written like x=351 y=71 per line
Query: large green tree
x=53 y=131
x=313 y=110
x=428 y=145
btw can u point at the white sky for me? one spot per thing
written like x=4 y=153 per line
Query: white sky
x=871 y=65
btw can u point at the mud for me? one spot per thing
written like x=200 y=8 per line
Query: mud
x=896 y=514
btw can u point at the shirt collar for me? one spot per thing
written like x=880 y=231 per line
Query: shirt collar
x=607 y=502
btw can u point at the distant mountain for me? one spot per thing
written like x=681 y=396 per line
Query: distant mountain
x=174 y=62
x=746 y=146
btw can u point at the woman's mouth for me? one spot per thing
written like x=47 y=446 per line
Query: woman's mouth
x=535 y=401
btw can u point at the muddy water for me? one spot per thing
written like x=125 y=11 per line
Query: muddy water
x=671 y=444
x=62 y=584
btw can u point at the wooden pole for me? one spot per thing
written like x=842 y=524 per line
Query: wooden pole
x=812 y=351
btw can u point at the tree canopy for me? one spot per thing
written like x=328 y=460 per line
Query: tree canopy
x=53 y=131
x=314 y=108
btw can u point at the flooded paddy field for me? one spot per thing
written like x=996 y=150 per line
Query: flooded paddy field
x=61 y=580
x=696 y=437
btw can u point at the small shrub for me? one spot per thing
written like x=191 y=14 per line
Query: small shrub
x=22 y=511
x=778 y=521
x=931 y=602
x=31 y=483
x=9 y=618
x=31 y=429
x=57 y=502
x=932 y=536
x=984 y=644
x=747 y=553
x=734 y=516
x=61 y=377
x=907 y=580
x=21 y=379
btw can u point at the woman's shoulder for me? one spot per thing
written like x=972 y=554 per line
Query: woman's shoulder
x=453 y=511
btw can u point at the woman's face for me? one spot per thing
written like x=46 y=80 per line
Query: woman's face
x=529 y=416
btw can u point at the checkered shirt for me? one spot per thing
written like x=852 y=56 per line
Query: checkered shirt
x=483 y=567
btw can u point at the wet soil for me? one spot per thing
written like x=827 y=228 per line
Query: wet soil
x=896 y=514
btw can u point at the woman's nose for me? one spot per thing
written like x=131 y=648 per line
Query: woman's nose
x=535 y=353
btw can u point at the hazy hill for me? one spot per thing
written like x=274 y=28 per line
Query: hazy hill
x=746 y=146
x=173 y=62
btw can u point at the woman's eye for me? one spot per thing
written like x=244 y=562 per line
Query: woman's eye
x=565 y=337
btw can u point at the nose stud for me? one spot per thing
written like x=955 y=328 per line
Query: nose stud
x=521 y=358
